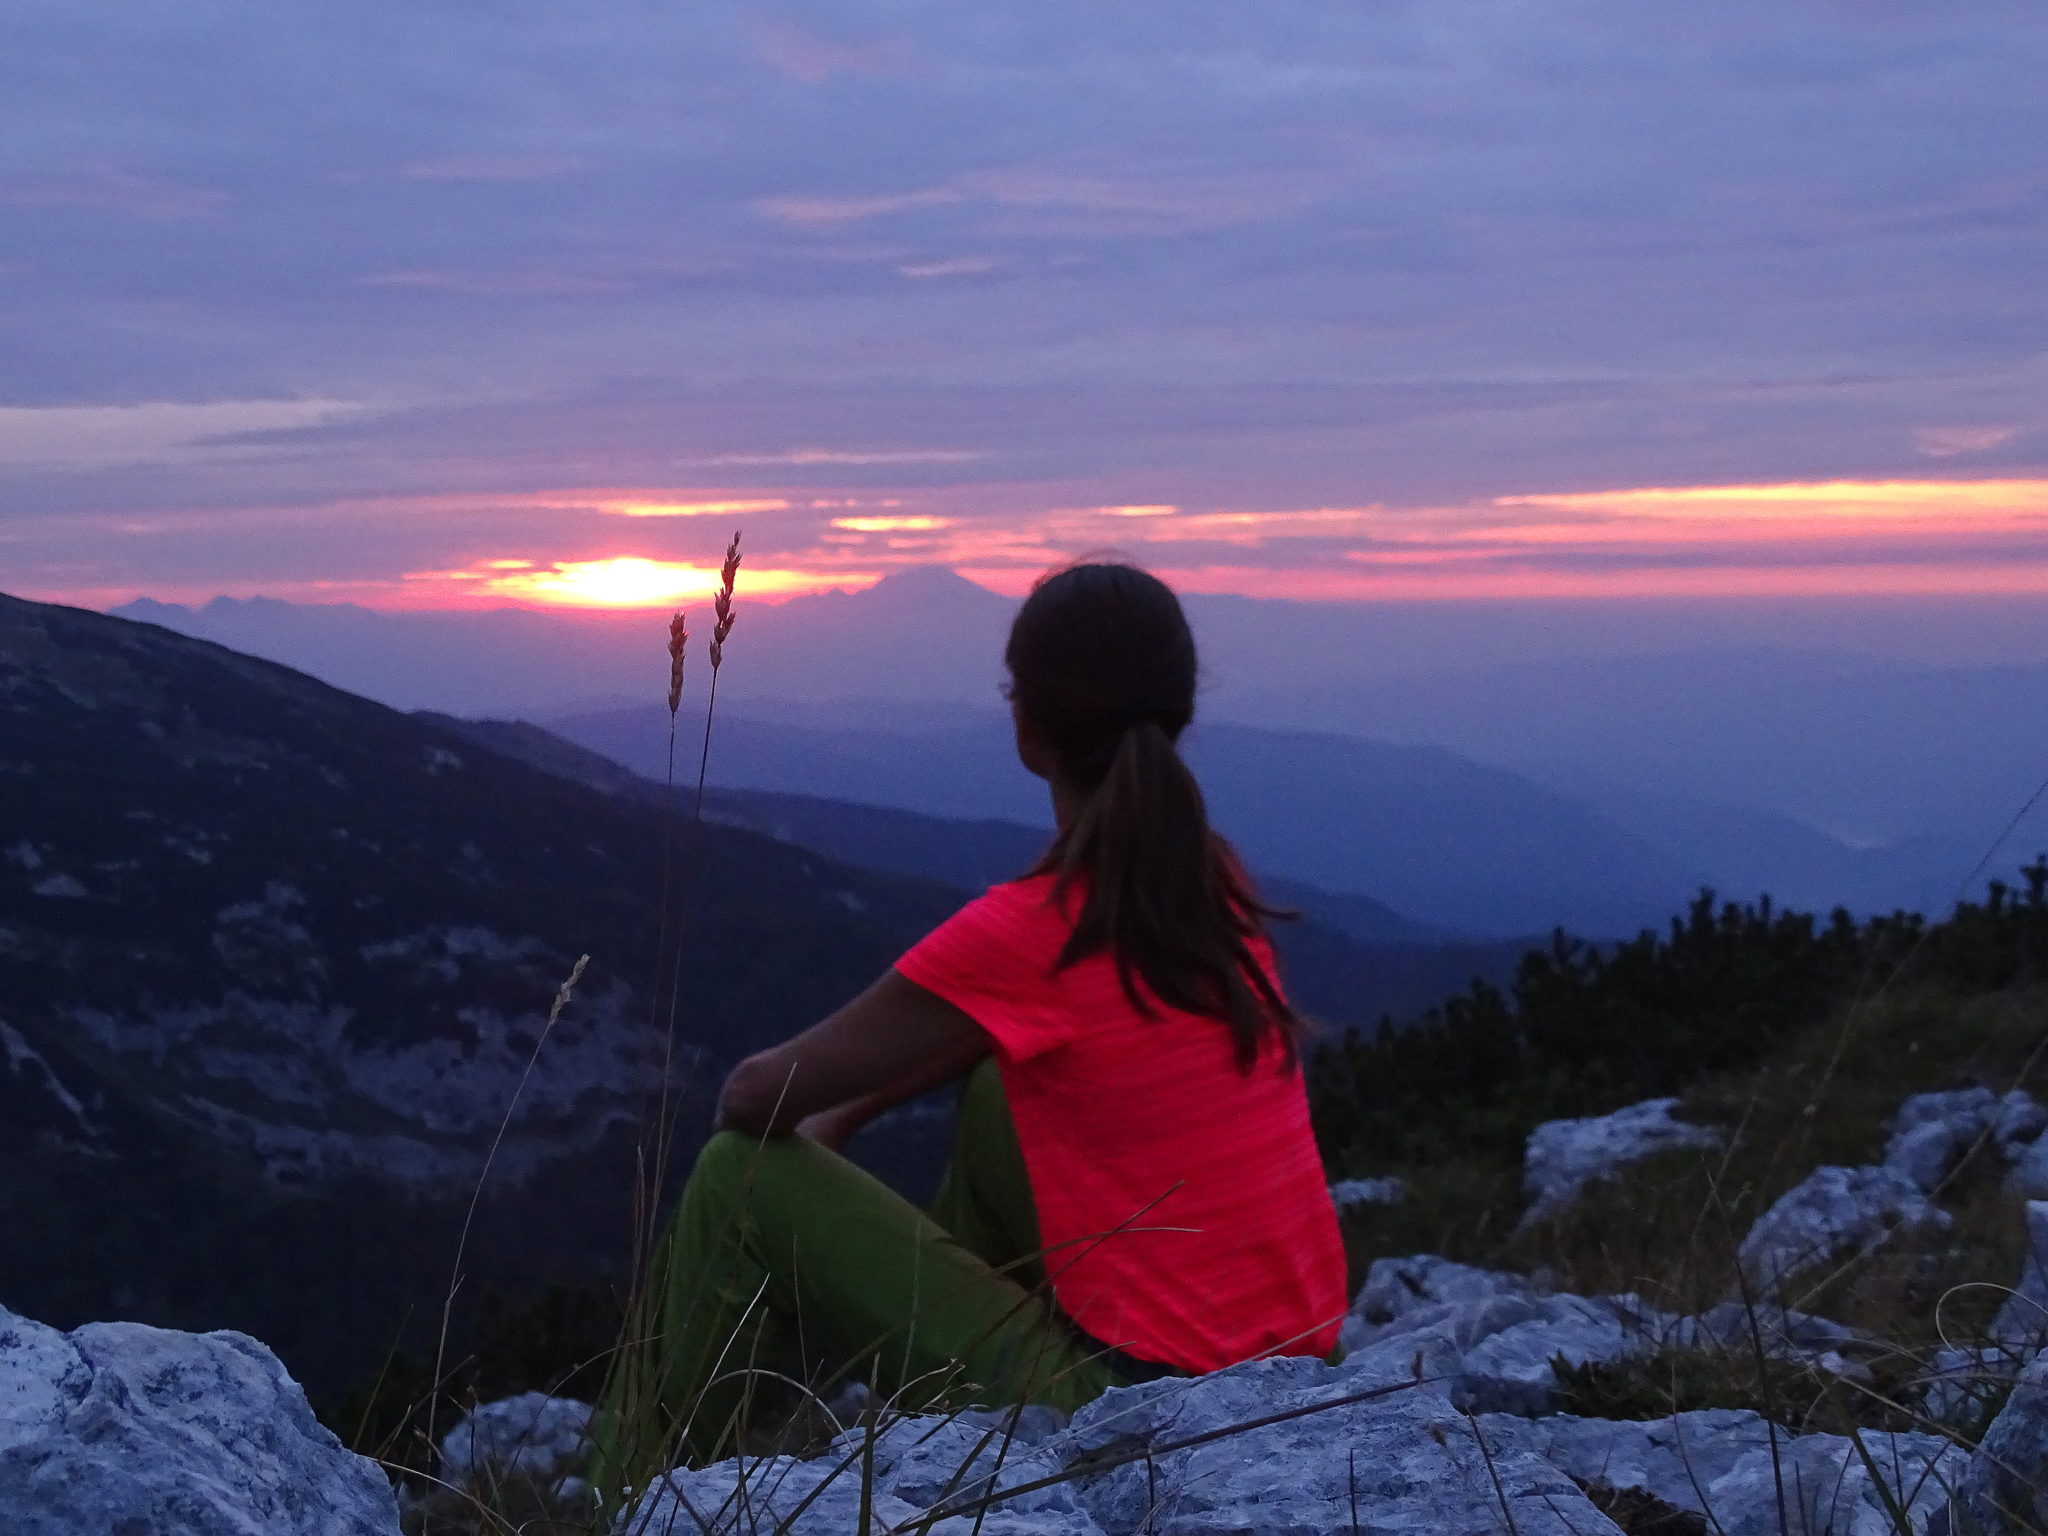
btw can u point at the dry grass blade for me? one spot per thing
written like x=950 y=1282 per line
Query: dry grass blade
x=562 y=996
x=722 y=603
x=721 y=628
x=678 y=642
x=657 y=1140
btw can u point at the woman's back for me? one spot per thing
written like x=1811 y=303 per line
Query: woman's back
x=1180 y=1198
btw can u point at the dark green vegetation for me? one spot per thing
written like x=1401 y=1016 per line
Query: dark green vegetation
x=1799 y=1039
x=1585 y=1029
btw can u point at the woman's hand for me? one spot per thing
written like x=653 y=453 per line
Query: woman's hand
x=889 y=1044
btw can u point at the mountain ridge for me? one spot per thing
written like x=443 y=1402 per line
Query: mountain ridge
x=1690 y=737
x=277 y=960
x=1448 y=843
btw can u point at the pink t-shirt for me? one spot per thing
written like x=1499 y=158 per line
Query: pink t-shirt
x=1181 y=1203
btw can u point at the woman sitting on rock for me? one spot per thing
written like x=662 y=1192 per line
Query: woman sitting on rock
x=1133 y=1192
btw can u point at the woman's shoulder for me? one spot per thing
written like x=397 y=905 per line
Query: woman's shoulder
x=1030 y=900
x=1033 y=889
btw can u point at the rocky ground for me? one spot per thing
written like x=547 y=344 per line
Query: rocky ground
x=1451 y=1412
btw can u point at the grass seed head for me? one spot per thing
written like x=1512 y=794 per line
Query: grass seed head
x=722 y=603
x=678 y=638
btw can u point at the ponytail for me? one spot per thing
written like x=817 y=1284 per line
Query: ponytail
x=1102 y=663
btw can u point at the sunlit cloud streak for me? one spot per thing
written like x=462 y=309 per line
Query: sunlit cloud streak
x=647 y=547
x=1430 y=297
x=1933 y=536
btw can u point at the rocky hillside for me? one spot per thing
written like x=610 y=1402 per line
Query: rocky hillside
x=1802 y=1291
x=274 y=962
x=1460 y=1407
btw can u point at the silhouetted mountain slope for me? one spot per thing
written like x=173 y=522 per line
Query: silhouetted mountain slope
x=1352 y=961
x=1438 y=838
x=1869 y=751
x=276 y=959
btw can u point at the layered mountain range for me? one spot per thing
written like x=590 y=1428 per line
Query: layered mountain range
x=1491 y=768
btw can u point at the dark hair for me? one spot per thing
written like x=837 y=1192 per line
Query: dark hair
x=1102 y=666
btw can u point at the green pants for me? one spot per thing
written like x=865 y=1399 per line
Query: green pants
x=783 y=1248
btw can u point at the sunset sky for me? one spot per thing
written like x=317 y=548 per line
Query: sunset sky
x=418 y=305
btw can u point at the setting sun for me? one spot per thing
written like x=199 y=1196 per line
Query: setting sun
x=618 y=581
x=627 y=581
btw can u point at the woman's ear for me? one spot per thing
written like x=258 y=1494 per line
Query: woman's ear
x=1032 y=751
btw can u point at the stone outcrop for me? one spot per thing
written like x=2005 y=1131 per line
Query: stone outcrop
x=768 y=1496
x=1293 y=1447
x=1933 y=1132
x=1834 y=1215
x=120 y=1428
x=2022 y=1322
x=534 y=1437
x=1438 y=1418
x=2005 y=1486
x=1723 y=1464
x=1491 y=1337
x=1346 y=1193
x=1564 y=1156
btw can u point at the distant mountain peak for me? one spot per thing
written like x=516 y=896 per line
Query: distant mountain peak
x=925 y=583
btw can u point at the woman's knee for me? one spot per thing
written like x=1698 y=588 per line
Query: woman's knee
x=726 y=1163
x=736 y=1160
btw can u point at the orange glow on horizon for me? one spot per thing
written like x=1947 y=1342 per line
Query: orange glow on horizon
x=622 y=581
x=635 y=508
x=1819 y=538
x=914 y=524
x=1806 y=499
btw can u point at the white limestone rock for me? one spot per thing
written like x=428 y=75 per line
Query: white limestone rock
x=1503 y=1334
x=2029 y=1176
x=765 y=1496
x=1718 y=1463
x=1346 y=1193
x=1932 y=1131
x=1834 y=1214
x=1675 y=1460
x=1739 y=1329
x=2018 y=1125
x=532 y=1436
x=121 y=1428
x=1829 y=1488
x=1514 y=1368
x=1962 y=1388
x=2003 y=1491
x=1564 y=1156
x=1405 y=1463
x=956 y=1462
x=1395 y=1287
x=2022 y=1322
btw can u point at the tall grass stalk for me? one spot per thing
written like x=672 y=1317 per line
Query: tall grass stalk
x=562 y=996
x=668 y=962
x=628 y=1387
x=652 y=1181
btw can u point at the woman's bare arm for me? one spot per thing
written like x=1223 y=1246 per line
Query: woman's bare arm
x=888 y=1045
